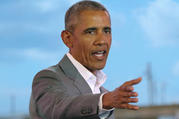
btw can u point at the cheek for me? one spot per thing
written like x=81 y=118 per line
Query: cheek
x=86 y=44
x=82 y=48
x=86 y=51
x=109 y=41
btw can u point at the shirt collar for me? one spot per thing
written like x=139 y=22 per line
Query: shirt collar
x=94 y=80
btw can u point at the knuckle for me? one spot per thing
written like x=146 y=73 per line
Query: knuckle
x=128 y=100
x=134 y=99
x=128 y=94
x=135 y=94
x=121 y=88
x=128 y=106
x=127 y=82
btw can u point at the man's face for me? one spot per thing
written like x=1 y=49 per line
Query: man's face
x=92 y=39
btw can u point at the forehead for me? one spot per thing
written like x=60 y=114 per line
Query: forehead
x=92 y=18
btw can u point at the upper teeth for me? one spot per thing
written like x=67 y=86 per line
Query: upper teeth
x=100 y=52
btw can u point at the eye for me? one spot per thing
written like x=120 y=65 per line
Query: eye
x=90 y=31
x=107 y=30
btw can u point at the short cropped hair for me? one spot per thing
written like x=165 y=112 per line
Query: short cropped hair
x=73 y=12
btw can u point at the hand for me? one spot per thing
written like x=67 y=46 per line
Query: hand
x=122 y=96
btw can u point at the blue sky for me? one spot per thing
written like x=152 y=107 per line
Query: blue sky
x=143 y=32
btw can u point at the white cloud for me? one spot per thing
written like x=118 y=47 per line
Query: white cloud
x=160 y=21
x=34 y=54
x=176 y=69
x=37 y=54
x=40 y=55
x=47 y=5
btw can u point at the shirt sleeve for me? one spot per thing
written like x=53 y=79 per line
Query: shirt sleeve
x=103 y=113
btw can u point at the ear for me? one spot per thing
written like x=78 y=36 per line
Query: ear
x=67 y=38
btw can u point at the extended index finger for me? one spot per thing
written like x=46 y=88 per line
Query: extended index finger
x=132 y=82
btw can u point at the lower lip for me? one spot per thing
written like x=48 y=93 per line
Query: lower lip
x=99 y=57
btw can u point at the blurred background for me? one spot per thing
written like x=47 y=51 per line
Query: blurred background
x=145 y=43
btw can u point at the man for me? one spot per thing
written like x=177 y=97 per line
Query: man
x=72 y=89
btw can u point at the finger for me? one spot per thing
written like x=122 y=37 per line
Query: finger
x=132 y=82
x=128 y=94
x=128 y=100
x=128 y=106
x=127 y=88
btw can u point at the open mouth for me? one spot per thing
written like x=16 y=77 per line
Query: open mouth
x=100 y=55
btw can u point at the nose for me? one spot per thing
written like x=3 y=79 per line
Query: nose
x=101 y=39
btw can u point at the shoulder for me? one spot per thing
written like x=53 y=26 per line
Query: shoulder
x=48 y=72
x=53 y=72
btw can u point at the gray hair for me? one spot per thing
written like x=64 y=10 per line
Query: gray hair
x=77 y=8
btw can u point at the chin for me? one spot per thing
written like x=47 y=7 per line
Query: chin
x=96 y=66
x=99 y=67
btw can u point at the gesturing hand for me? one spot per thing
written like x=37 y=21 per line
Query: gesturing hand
x=122 y=96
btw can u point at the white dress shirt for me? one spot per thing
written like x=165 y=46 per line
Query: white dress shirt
x=94 y=82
